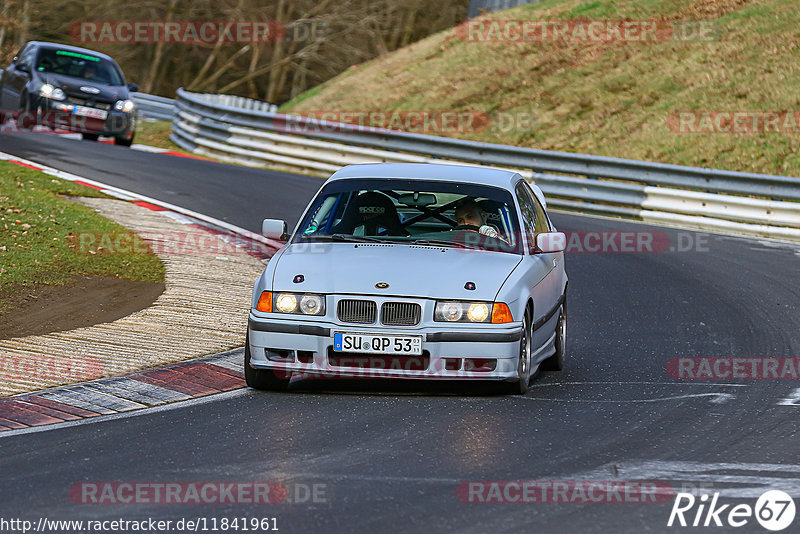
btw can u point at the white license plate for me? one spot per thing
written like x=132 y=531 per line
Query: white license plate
x=377 y=344
x=93 y=113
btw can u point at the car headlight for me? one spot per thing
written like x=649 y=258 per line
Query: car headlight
x=299 y=303
x=125 y=105
x=49 y=91
x=472 y=312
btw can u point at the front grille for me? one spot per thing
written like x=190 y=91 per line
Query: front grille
x=400 y=313
x=357 y=311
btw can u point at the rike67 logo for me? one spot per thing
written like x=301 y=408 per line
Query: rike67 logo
x=774 y=510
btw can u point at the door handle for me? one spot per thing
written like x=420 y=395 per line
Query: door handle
x=555 y=263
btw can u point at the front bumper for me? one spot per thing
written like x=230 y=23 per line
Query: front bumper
x=116 y=124
x=308 y=350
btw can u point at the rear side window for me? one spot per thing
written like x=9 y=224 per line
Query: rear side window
x=542 y=225
x=528 y=208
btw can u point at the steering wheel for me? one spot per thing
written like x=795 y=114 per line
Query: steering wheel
x=468 y=227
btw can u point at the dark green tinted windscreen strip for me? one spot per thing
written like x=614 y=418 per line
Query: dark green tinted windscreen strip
x=75 y=54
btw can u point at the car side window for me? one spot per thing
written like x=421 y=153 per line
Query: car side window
x=528 y=209
x=542 y=225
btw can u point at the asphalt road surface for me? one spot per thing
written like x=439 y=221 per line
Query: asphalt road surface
x=384 y=456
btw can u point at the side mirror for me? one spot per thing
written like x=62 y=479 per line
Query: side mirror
x=133 y=88
x=22 y=67
x=549 y=242
x=274 y=229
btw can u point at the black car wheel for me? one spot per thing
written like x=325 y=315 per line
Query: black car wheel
x=123 y=141
x=556 y=361
x=26 y=118
x=520 y=385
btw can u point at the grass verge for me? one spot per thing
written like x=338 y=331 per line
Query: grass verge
x=155 y=133
x=38 y=236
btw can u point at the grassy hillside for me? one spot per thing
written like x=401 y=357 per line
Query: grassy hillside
x=607 y=98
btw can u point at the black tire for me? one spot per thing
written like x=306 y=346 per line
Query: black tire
x=90 y=136
x=123 y=141
x=520 y=385
x=266 y=379
x=25 y=113
x=40 y=115
x=556 y=361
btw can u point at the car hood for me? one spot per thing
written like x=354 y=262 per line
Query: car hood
x=72 y=86
x=410 y=270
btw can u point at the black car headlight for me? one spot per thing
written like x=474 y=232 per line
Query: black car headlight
x=299 y=303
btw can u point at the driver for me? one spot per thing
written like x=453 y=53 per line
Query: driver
x=89 y=72
x=469 y=213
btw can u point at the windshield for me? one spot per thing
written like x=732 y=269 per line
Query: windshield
x=90 y=68
x=452 y=214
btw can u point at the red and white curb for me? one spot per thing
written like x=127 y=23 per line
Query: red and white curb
x=182 y=381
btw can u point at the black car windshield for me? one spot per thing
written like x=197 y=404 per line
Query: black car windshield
x=90 y=68
x=422 y=212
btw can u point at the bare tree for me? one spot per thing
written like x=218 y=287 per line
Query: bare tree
x=322 y=38
x=25 y=24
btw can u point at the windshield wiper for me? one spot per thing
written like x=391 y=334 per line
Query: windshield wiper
x=346 y=238
x=442 y=243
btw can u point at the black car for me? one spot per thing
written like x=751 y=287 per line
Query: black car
x=69 y=88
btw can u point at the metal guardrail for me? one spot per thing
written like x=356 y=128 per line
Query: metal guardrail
x=239 y=130
x=162 y=108
x=154 y=107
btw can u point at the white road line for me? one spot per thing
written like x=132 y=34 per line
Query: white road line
x=792 y=400
x=704 y=384
x=716 y=398
x=750 y=480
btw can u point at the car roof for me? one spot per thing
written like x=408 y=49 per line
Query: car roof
x=71 y=48
x=430 y=171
